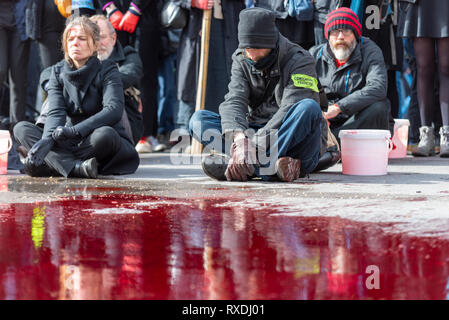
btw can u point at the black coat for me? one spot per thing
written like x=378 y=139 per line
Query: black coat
x=190 y=46
x=42 y=16
x=263 y=99
x=129 y=64
x=131 y=71
x=91 y=97
x=385 y=37
x=130 y=68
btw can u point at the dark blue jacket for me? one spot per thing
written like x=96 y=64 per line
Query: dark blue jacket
x=19 y=15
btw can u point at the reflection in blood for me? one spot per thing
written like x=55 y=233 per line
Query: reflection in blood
x=147 y=247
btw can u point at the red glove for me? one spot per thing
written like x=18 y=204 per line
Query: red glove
x=241 y=165
x=130 y=20
x=115 y=17
x=202 y=4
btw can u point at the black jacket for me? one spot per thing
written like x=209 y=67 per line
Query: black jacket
x=190 y=45
x=360 y=82
x=91 y=97
x=129 y=65
x=131 y=71
x=42 y=16
x=263 y=99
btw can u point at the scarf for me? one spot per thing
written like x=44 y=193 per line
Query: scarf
x=265 y=62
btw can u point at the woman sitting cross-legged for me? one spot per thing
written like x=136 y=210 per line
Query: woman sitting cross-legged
x=84 y=133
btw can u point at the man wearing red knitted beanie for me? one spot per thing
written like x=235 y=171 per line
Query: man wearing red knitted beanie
x=352 y=71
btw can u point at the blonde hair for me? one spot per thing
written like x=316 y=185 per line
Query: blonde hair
x=89 y=27
x=100 y=17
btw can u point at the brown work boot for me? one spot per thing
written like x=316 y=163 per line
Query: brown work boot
x=288 y=169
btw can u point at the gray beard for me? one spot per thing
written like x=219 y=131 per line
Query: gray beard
x=105 y=55
x=342 y=54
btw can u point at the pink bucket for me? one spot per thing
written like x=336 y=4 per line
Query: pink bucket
x=400 y=139
x=5 y=146
x=365 y=152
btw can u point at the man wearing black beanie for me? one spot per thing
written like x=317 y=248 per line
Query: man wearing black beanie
x=273 y=92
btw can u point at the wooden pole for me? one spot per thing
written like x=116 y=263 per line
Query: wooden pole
x=202 y=79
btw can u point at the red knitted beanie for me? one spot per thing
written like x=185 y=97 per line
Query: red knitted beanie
x=342 y=18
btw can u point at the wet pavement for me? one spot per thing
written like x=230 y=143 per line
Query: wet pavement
x=169 y=232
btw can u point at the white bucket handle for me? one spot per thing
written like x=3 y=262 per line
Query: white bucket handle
x=9 y=146
x=390 y=144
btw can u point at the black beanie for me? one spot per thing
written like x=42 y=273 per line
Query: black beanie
x=257 y=29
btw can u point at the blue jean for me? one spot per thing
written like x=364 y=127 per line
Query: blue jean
x=185 y=111
x=166 y=95
x=298 y=137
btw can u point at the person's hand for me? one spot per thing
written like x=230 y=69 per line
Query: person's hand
x=130 y=19
x=65 y=133
x=243 y=159
x=203 y=4
x=140 y=106
x=332 y=112
x=115 y=16
x=39 y=151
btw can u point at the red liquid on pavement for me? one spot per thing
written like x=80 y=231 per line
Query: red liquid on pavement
x=136 y=247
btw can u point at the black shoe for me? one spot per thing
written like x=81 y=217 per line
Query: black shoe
x=328 y=159
x=38 y=171
x=85 y=169
x=215 y=165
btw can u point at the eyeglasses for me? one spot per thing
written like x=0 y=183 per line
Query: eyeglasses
x=336 y=32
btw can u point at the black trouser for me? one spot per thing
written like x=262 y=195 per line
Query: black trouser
x=375 y=116
x=148 y=39
x=102 y=144
x=50 y=48
x=13 y=62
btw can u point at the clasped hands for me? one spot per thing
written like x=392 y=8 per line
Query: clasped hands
x=124 y=22
x=128 y=22
x=243 y=159
x=40 y=149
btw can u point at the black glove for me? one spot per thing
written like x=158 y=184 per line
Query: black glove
x=65 y=133
x=39 y=151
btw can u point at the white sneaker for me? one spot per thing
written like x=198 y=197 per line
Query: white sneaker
x=157 y=147
x=143 y=146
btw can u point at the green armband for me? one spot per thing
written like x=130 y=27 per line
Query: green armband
x=305 y=81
